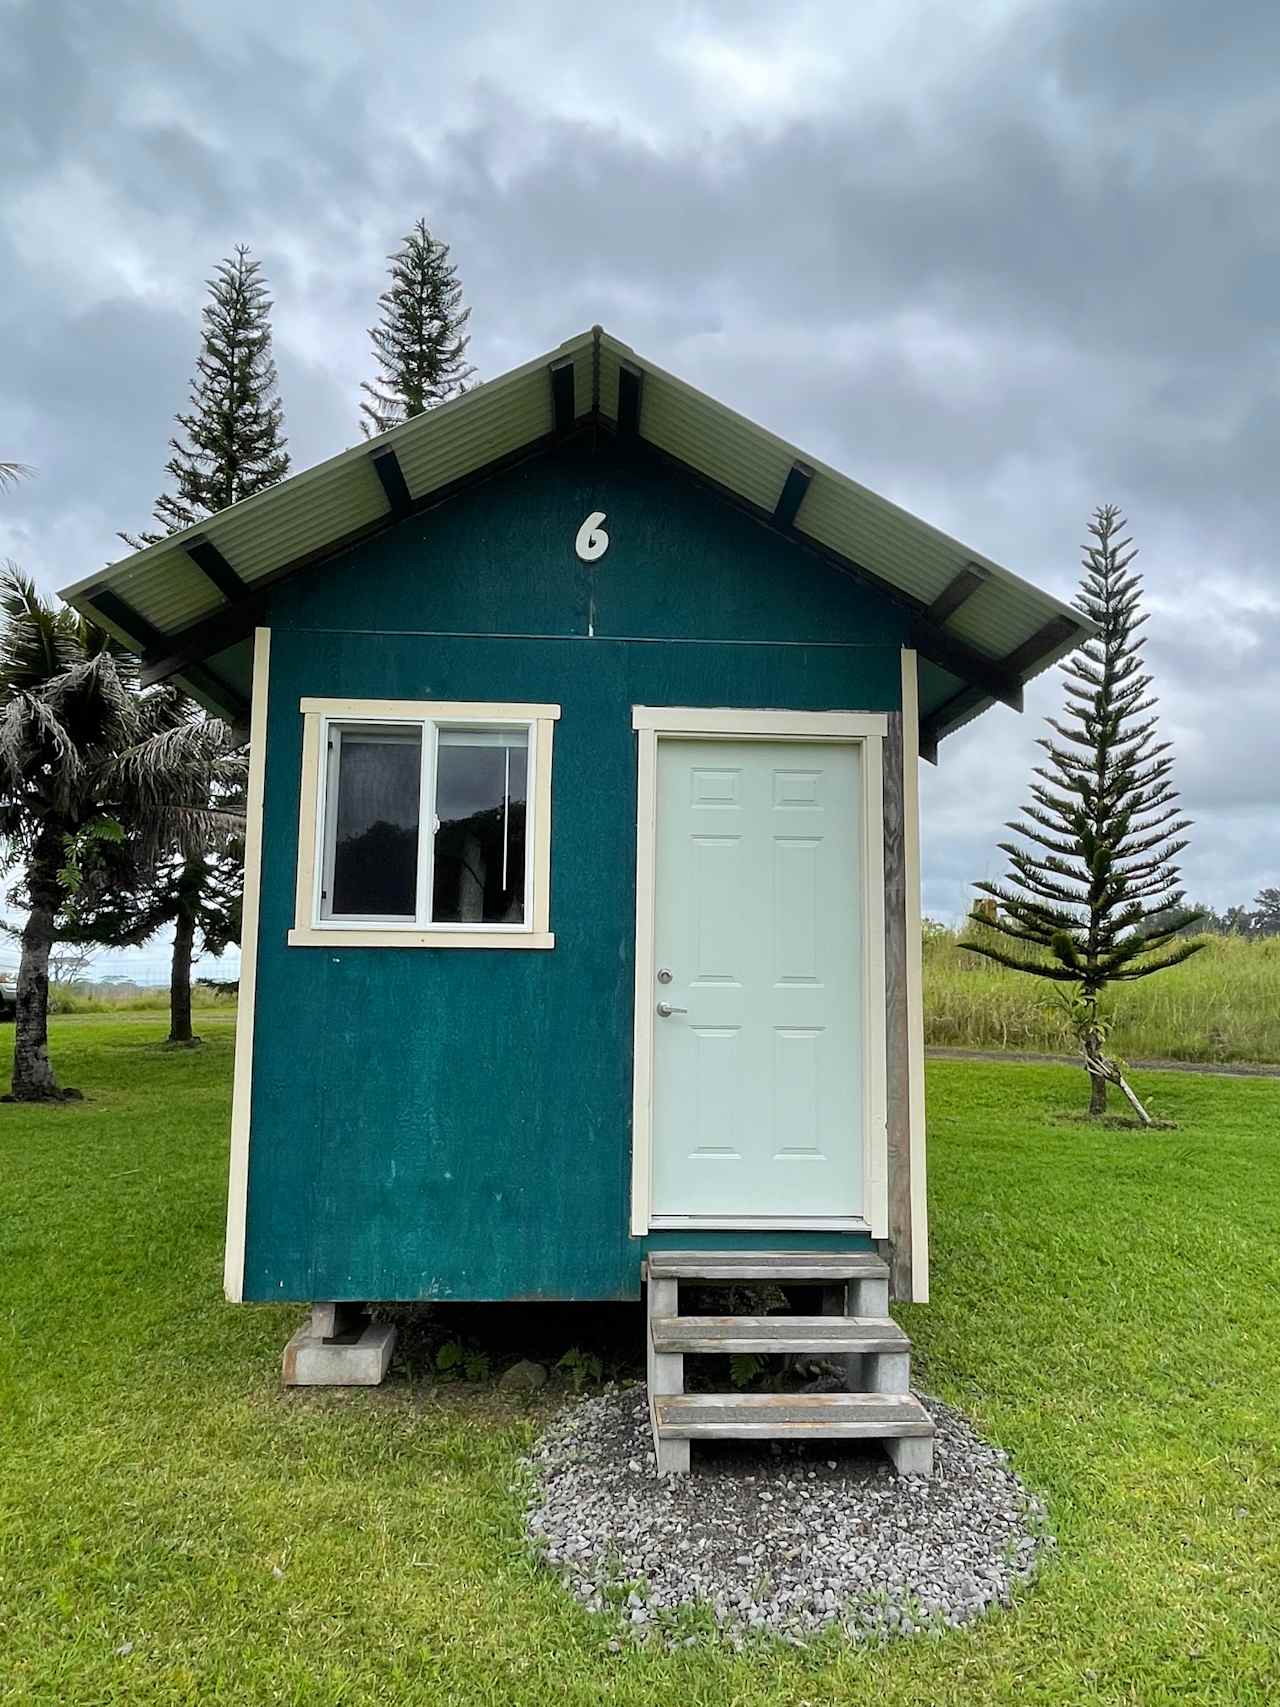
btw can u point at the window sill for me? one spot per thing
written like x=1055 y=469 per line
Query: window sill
x=316 y=937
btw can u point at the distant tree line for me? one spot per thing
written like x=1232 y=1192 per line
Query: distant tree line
x=1260 y=920
x=121 y=807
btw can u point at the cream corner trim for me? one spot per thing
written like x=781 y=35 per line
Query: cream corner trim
x=308 y=932
x=242 y=1088
x=915 y=979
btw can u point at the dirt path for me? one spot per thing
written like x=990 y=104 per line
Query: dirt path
x=1222 y=1069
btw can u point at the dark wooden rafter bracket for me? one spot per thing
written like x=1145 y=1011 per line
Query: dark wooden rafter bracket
x=798 y=481
x=958 y=591
x=386 y=465
x=170 y=654
x=1054 y=634
x=1050 y=638
x=121 y=614
x=630 y=391
x=563 y=401
x=214 y=566
x=951 y=653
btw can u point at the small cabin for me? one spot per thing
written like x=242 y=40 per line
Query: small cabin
x=581 y=940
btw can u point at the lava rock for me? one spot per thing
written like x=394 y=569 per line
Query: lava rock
x=777 y=1544
x=523 y=1377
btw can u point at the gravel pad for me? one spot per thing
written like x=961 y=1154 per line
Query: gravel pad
x=774 y=1538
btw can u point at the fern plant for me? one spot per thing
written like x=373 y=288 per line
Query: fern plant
x=744 y=1368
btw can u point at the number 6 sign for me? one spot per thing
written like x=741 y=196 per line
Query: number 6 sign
x=592 y=540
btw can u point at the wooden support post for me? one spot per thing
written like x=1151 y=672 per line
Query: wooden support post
x=890 y=1372
x=869 y=1299
x=666 y=1368
x=912 y=1455
x=838 y=1300
x=665 y=1371
x=897 y=1037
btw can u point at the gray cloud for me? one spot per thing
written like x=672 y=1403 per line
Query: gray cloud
x=1001 y=264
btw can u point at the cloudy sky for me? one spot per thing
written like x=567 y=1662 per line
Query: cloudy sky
x=1001 y=262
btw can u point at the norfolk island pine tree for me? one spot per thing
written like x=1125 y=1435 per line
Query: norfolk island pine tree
x=231 y=445
x=231 y=442
x=1093 y=896
x=420 y=341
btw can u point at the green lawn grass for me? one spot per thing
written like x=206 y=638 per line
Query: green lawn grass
x=174 y=1528
x=1221 y=1005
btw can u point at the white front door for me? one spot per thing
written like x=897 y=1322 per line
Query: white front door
x=758 y=1004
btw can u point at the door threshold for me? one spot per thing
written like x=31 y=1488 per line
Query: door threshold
x=759 y=1224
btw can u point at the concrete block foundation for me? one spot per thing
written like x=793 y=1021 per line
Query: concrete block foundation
x=338 y=1346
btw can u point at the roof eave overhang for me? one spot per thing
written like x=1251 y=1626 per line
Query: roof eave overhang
x=1058 y=639
x=391 y=478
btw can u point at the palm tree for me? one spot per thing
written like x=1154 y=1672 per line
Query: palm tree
x=11 y=473
x=194 y=890
x=87 y=762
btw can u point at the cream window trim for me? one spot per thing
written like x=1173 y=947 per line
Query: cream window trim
x=364 y=936
x=442 y=710
x=311 y=931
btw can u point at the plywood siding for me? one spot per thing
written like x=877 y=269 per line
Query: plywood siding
x=457 y=1125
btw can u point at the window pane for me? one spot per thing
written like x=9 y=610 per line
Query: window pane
x=375 y=838
x=481 y=789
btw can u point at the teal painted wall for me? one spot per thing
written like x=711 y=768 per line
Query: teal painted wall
x=452 y=1123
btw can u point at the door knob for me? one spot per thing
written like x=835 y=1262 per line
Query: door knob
x=665 y=1010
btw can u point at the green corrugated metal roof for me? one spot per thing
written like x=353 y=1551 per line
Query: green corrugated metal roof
x=278 y=531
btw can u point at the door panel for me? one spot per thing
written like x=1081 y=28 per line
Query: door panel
x=757 y=1104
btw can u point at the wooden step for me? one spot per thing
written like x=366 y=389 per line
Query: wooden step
x=778 y=1266
x=765 y=1334
x=795 y=1416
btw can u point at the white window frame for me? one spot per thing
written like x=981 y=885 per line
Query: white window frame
x=319 y=716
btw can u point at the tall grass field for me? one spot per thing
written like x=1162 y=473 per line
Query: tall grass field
x=129 y=999
x=1221 y=1005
